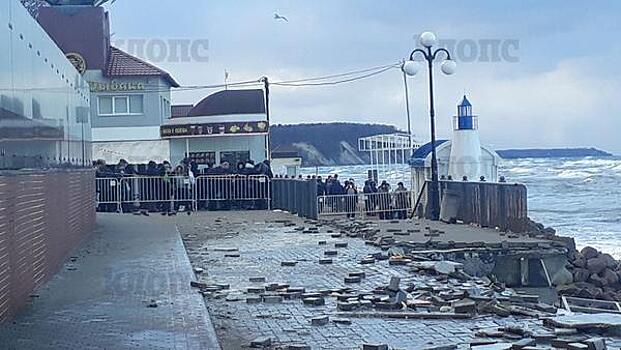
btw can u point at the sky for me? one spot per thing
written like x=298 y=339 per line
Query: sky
x=539 y=74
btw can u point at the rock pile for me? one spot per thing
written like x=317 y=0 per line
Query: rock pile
x=596 y=275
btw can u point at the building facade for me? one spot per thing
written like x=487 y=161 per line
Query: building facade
x=44 y=101
x=228 y=126
x=130 y=98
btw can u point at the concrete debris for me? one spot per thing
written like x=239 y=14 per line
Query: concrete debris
x=262 y=342
x=298 y=347
x=371 y=346
x=320 y=321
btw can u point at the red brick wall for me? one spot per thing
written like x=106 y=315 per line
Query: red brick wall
x=43 y=216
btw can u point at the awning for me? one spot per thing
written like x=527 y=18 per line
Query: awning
x=138 y=152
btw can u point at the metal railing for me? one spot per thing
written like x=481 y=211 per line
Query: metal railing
x=108 y=192
x=182 y=193
x=233 y=192
x=297 y=196
x=384 y=205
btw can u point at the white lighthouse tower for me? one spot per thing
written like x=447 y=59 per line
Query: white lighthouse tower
x=465 y=158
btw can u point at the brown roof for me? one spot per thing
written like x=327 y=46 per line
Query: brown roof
x=227 y=102
x=180 y=111
x=122 y=64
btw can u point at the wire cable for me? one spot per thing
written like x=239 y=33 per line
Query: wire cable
x=331 y=83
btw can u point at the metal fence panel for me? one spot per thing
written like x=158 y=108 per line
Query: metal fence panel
x=295 y=196
x=384 y=205
x=173 y=193
x=108 y=194
x=229 y=192
x=157 y=193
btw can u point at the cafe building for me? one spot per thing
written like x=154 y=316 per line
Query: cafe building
x=227 y=126
x=129 y=98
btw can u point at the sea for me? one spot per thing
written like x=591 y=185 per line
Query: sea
x=579 y=197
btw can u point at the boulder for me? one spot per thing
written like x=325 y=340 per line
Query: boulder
x=569 y=290
x=597 y=264
x=581 y=275
x=589 y=252
x=610 y=277
x=589 y=292
x=596 y=280
x=611 y=263
x=580 y=261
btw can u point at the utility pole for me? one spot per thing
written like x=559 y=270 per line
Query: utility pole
x=266 y=84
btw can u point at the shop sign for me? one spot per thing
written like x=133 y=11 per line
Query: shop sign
x=214 y=129
x=115 y=86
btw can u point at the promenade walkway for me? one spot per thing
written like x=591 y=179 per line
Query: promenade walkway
x=126 y=287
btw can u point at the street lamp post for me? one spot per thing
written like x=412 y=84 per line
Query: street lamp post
x=428 y=40
x=407 y=109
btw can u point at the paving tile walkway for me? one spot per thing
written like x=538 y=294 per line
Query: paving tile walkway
x=263 y=244
x=101 y=299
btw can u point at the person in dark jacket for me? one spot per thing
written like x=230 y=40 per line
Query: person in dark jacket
x=402 y=201
x=321 y=187
x=370 y=199
x=384 y=201
x=351 y=199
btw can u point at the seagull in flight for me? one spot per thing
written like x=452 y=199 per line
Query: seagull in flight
x=279 y=17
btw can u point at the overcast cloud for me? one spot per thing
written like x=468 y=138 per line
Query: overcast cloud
x=559 y=88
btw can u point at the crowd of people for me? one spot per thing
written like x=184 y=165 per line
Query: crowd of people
x=154 y=187
x=378 y=200
x=187 y=167
x=160 y=187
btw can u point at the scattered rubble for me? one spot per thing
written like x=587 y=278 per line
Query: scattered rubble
x=432 y=287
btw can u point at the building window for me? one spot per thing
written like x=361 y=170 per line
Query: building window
x=234 y=157
x=121 y=105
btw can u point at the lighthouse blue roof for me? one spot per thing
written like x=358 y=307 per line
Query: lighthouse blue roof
x=465 y=102
x=419 y=156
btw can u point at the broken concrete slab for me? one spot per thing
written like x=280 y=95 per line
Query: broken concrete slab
x=314 y=301
x=595 y=344
x=496 y=346
x=262 y=342
x=320 y=321
x=298 y=347
x=394 y=284
x=373 y=346
x=583 y=321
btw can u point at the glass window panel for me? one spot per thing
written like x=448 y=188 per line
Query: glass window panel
x=105 y=105
x=234 y=157
x=120 y=105
x=136 y=104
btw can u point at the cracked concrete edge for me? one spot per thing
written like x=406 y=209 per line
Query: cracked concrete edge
x=212 y=342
